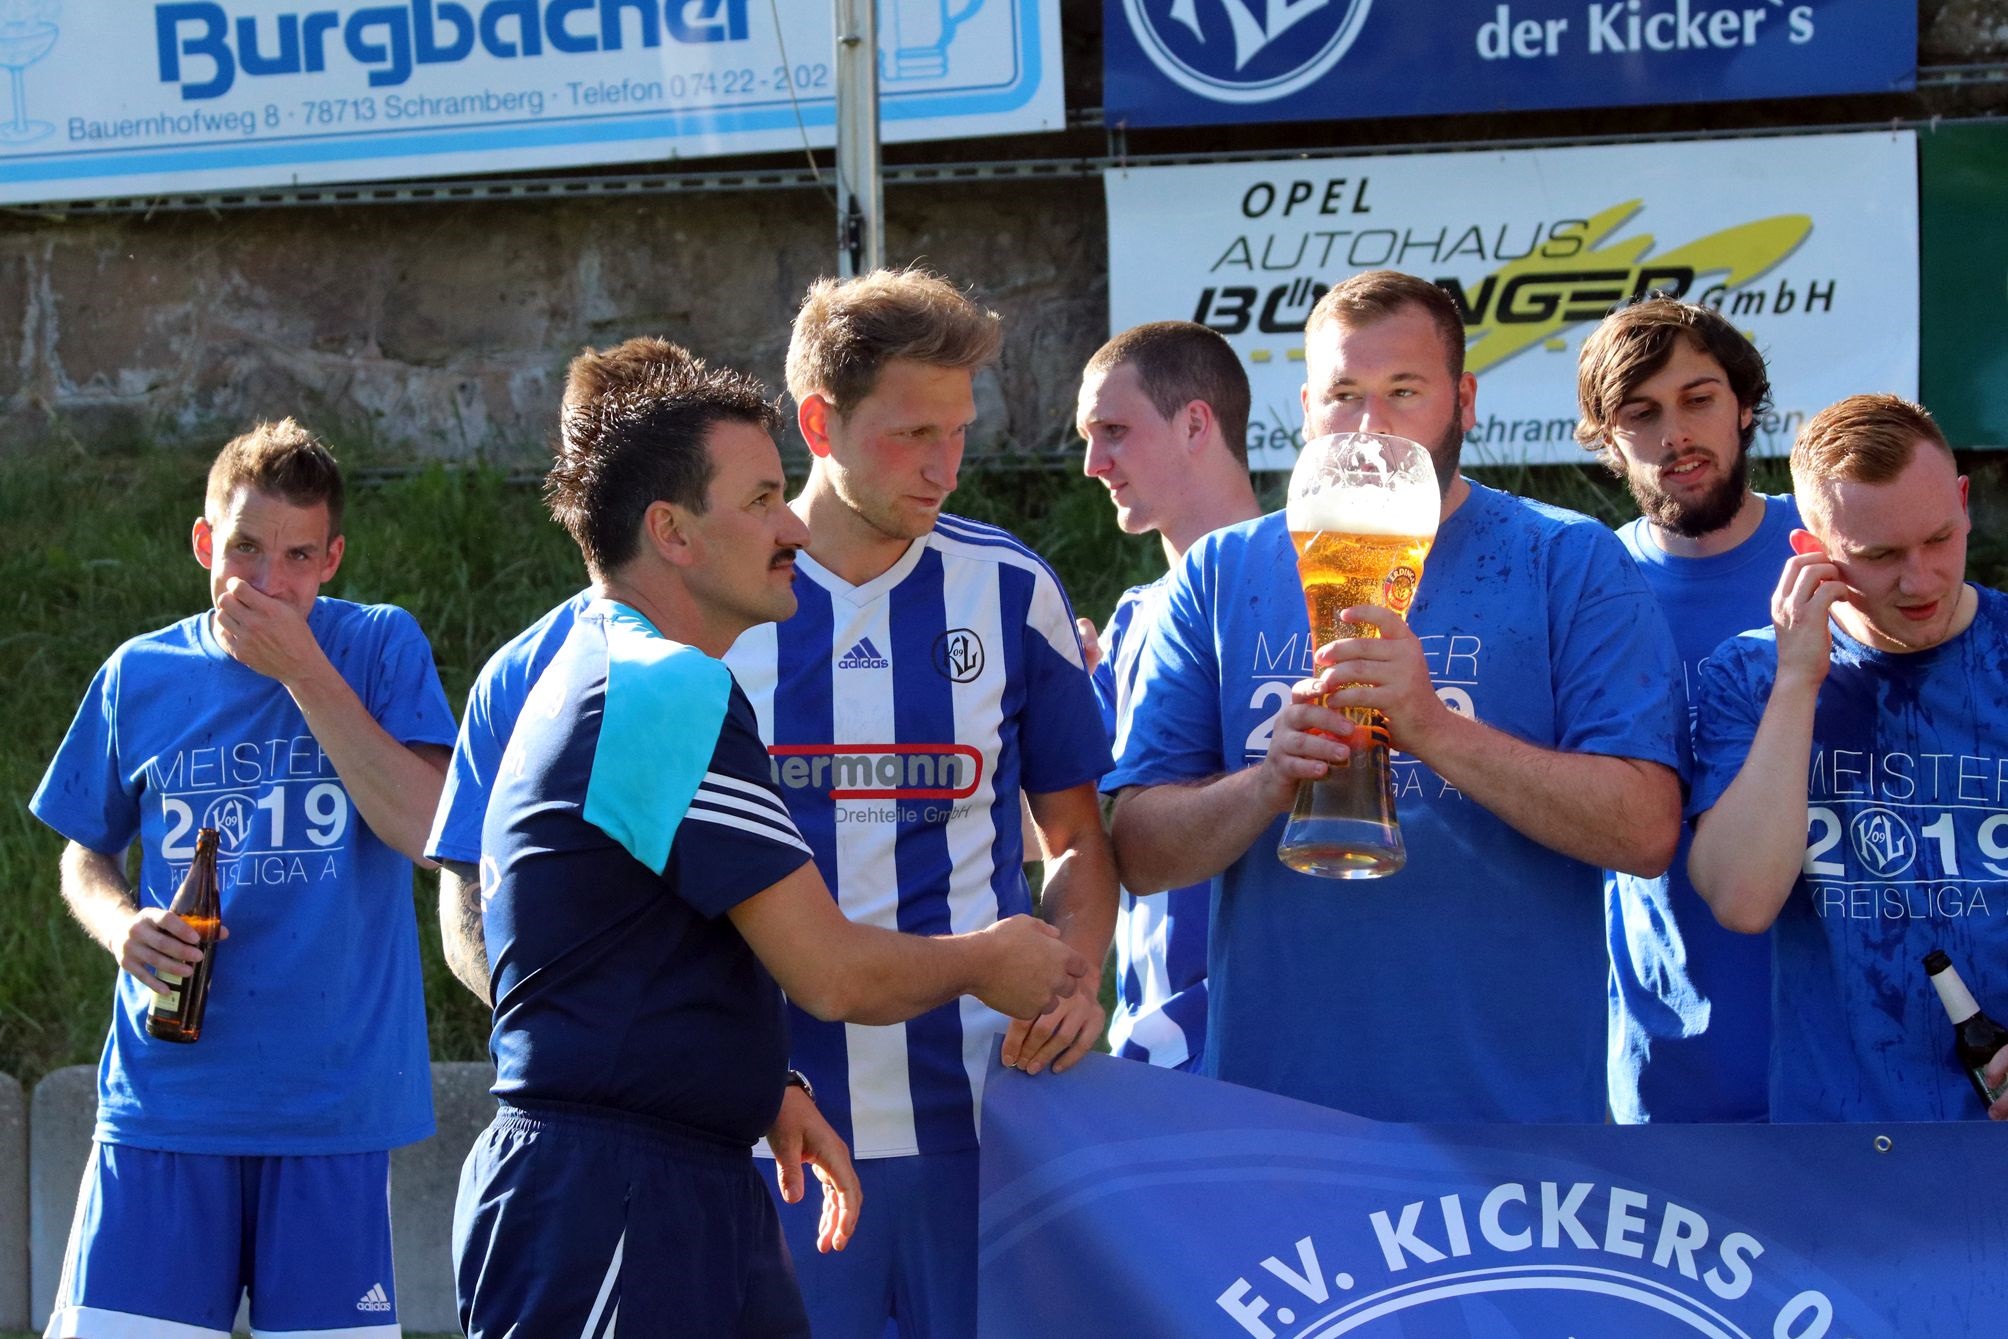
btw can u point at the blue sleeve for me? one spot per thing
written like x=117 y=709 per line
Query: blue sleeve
x=737 y=839
x=463 y=803
x=1169 y=729
x=1617 y=675
x=406 y=697
x=85 y=795
x=1061 y=740
x=1730 y=693
x=1104 y=679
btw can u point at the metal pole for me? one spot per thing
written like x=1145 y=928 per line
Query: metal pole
x=860 y=192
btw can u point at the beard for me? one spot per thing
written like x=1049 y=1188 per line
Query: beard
x=1445 y=453
x=1700 y=516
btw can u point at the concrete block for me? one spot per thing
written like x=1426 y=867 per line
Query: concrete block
x=425 y=1179
x=61 y=1115
x=424 y=1182
x=13 y=1205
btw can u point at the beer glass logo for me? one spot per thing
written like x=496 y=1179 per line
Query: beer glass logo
x=1398 y=591
x=1245 y=50
x=27 y=31
x=918 y=37
x=1884 y=842
x=230 y=815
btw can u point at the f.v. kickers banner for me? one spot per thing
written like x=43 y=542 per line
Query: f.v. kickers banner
x=1189 y=62
x=109 y=97
x=1806 y=242
x=1123 y=1199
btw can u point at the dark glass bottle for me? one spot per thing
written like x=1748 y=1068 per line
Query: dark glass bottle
x=177 y=1015
x=1975 y=1036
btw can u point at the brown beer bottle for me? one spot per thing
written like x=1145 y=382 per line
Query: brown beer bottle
x=1975 y=1036
x=177 y=1015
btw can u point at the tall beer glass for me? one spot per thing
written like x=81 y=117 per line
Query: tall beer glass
x=1362 y=512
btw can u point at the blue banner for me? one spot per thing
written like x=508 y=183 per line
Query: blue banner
x=1193 y=62
x=1119 y=1199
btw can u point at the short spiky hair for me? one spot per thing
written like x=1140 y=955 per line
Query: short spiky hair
x=849 y=329
x=282 y=459
x=1867 y=439
x=1178 y=362
x=1375 y=295
x=1635 y=342
x=636 y=419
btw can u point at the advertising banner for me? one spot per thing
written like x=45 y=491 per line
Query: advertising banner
x=1123 y=1199
x=1964 y=187
x=108 y=98
x=1809 y=243
x=1197 y=62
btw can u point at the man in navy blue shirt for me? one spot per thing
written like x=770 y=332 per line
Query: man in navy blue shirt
x=647 y=898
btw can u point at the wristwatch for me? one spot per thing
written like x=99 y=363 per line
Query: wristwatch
x=797 y=1079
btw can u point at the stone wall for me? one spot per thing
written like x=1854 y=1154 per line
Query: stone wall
x=446 y=327
x=442 y=330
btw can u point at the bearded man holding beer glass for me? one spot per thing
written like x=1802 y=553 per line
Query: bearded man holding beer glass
x=1532 y=701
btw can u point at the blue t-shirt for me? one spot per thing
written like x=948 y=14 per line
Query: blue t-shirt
x=493 y=704
x=1690 y=1017
x=314 y=1040
x=1906 y=851
x=1160 y=1013
x=630 y=813
x=1470 y=985
x=904 y=717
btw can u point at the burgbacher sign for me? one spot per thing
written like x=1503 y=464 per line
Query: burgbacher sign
x=189 y=95
x=1190 y=61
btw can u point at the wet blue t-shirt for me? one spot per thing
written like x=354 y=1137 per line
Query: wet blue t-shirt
x=314 y=1040
x=1906 y=851
x=1471 y=984
x=1690 y=1001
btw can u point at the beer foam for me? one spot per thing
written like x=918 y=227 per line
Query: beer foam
x=1362 y=483
x=1402 y=511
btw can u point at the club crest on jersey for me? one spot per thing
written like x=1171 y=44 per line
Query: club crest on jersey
x=878 y=771
x=1244 y=51
x=863 y=655
x=958 y=655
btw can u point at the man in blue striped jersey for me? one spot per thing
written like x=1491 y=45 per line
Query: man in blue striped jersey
x=644 y=892
x=931 y=675
x=1164 y=411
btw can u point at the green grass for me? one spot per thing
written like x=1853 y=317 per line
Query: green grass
x=95 y=550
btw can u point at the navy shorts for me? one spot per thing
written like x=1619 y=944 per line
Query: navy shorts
x=911 y=1268
x=164 y=1245
x=571 y=1219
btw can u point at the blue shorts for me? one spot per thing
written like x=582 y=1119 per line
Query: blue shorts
x=164 y=1245
x=573 y=1218
x=913 y=1260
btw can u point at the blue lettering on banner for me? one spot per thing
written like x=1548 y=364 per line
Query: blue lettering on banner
x=1184 y=62
x=204 y=48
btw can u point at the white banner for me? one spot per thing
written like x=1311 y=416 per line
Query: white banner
x=108 y=97
x=1808 y=243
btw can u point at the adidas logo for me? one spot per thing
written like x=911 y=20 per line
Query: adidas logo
x=863 y=655
x=374 y=1299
